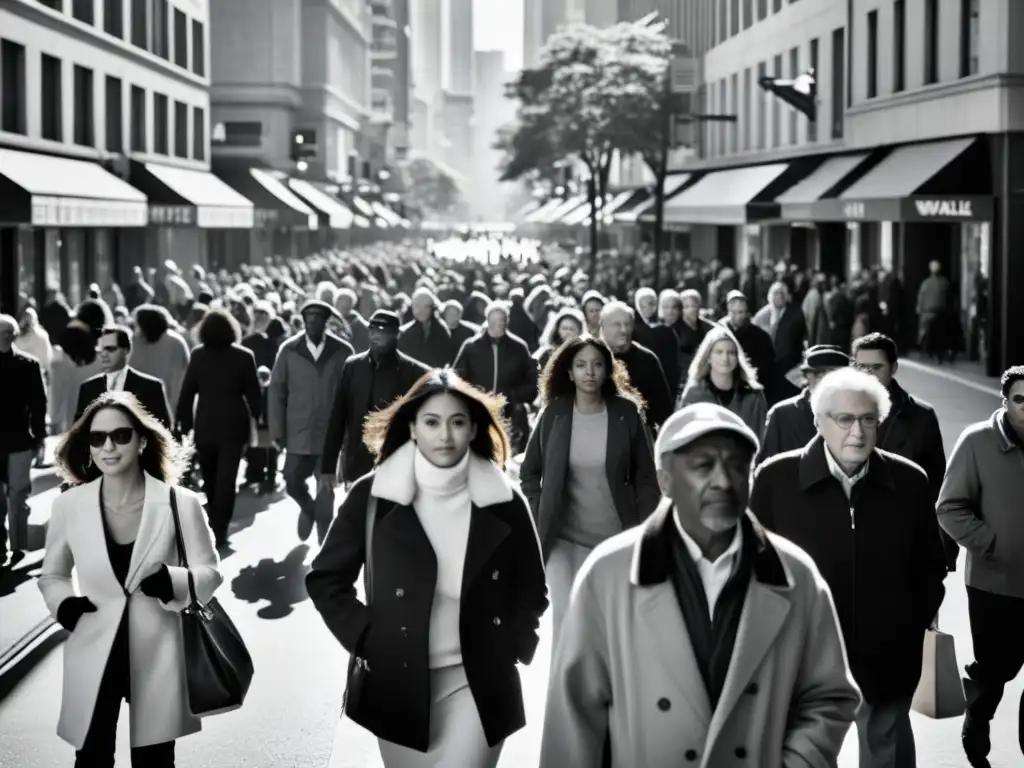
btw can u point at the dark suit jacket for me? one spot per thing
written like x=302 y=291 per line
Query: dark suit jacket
x=149 y=390
x=224 y=380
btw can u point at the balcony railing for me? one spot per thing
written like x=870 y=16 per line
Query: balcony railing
x=384 y=45
x=381 y=7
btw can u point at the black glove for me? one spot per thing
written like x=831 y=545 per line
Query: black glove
x=158 y=585
x=71 y=610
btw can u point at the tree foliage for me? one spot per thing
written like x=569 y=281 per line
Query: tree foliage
x=431 y=189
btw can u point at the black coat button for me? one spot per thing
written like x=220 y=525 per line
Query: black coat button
x=399 y=593
x=691 y=755
x=664 y=704
x=741 y=752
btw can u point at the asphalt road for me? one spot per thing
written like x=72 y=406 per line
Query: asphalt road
x=290 y=719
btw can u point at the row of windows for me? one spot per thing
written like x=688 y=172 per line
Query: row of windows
x=970 y=18
x=13 y=109
x=734 y=17
x=150 y=25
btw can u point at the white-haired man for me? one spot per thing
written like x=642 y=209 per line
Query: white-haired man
x=866 y=517
x=425 y=337
x=653 y=333
x=645 y=371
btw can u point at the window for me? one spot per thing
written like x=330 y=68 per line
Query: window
x=745 y=117
x=12 y=87
x=872 y=83
x=199 y=134
x=777 y=6
x=723 y=20
x=140 y=23
x=180 y=39
x=84 y=103
x=734 y=109
x=160 y=118
x=723 y=109
x=113 y=17
x=161 y=34
x=969 y=17
x=57 y=5
x=138 y=119
x=812 y=125
x=899 y=46
x=114 y=115
x=794 y=72
x=931 y=41
x=52 y=99
x=748 y=13
x=84 y=10
x=838 y=81
x=198 y=48
x=762 y=9
x=761 y=98
x=776 y=105
x=180 y=129
x=734 y=18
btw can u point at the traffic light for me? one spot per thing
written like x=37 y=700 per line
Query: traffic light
x=800 y=93
x=303 y=147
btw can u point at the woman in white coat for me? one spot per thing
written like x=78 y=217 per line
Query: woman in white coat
x=115 y=528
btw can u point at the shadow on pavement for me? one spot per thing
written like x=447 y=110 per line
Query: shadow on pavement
x=12 y=578
x=282 y=584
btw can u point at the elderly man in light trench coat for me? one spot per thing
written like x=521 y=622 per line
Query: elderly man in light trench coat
x=642 y=671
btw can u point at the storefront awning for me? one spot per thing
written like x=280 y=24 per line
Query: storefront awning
x=385 y=213
x=186 y=197
x=50 y=191
x=541 y=213
x=608 y=210
x=641 y=211
x=560 y=212
x=275 y=204
x=722 y=197
x=897 y=188
x=333 y=212
x=797 y=203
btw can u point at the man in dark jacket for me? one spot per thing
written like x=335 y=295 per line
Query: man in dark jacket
x=866 y=518
x=426 y=338
x=520 y=323
x=650 y=332
x=22 y=432
x=790 y=424
x=457 y=327
x=912 y=429
x=498 y=361
x=370 y=381
x=755 y=343
x=114 y=345
x=261 y=463
x=645 y=372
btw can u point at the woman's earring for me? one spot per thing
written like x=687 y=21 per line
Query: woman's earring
x=142 y=447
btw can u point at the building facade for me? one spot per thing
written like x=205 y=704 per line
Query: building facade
x=913 y=155
x=457 y=57
x=493 y=111
x=427 y=22
x=391 y=84
x=104 y=138
x=541 y=19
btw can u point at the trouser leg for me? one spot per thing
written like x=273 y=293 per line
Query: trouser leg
x=885 y=736
x=298 y=468
x=563 y=564
x=154 y=756
x=996 y=625
x=101 y=740
x=222 y=507
x=19 y=487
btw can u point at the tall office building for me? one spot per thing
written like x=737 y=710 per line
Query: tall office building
x=391 y=77
x=541 y=19
x=426 y=22
x=493 y=111
x=457 y=88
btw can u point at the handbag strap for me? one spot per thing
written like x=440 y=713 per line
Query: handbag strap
x=182 y=554
x=371 y=520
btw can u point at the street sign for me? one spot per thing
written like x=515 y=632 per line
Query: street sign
x=684 y=71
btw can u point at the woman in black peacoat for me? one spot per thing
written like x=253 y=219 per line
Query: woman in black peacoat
x=399 y=696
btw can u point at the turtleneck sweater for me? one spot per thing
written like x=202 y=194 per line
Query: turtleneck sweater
x=443 y=506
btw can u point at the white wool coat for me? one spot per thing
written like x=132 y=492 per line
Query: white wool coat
x=75 y=541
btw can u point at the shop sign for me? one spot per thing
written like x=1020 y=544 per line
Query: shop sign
x=855 y=210
x=957 y=209
x=172 y=215
x=74 y=212
x=225 y=217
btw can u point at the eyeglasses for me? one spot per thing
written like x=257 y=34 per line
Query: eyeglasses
x=120 y=436
x=847 y=420
x=1017 y=399
x=109 y=350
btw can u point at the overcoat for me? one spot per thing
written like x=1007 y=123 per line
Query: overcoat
x=503 y=598
x=75 y=541
x=625 y=676
x=629 y=466
x=149 y=391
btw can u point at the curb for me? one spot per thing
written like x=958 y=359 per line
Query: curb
x=953 y=377
x=22 y=657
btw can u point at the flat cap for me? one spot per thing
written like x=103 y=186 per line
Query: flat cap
x=824 y=357
x=734 y=294
x=385 y=320
x=696 y=421
x=314 y=305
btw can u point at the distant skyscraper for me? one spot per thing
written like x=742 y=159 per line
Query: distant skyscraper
x=542 y=18
x=457 y=87
x=426 y=22
x=492 y=111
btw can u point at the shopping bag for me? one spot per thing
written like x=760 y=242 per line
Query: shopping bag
x=940 y=692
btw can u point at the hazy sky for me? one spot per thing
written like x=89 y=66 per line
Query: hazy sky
x=498 y=26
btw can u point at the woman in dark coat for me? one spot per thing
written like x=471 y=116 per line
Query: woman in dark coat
x=222 y=374
x=457 y=587
x=589 y=467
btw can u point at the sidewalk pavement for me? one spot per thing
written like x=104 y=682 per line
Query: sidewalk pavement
x=967 y=372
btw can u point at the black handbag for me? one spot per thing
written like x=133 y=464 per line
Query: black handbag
x=218 y=666
x=358 y=667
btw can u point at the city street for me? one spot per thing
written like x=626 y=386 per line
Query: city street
x=290 y=719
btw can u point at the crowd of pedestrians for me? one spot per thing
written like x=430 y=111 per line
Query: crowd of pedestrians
x=739 y=518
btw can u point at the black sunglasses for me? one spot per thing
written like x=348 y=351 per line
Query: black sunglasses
x=120 y=436
x=1017 y=399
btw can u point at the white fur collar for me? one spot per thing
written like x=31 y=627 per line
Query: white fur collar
x=395 y=479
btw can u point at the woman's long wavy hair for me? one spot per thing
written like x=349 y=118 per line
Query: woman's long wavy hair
x=556 y=381
x=388 y=430
x=164 y=458
x=700 y=367
x=549 y=337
